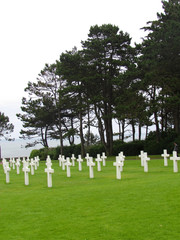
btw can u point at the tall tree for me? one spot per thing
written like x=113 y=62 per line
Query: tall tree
x=106 y=52
x=70 y=67
x=160 y=63
x=37 y=120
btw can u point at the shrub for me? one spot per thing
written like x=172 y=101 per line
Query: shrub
x=34 y=153
x=93 y=150
x=68 y=151
x=167 y=140
x=129 y=148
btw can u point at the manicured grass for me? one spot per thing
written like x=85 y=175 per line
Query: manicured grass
x=140 y=206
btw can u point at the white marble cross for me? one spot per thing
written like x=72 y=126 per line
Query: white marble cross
x=121 y=155
x=68 y=165
x=87 y=158
x=49 y=172
x=145 y=160
x=121 y=158
x=73 y=160
x=28 y=161
x=37 y=160
x=118 y=164
x=18 y=164
x=98 y=160
x=10 y=162
x=80 y=160
x=4 y=164
x=48 y=159
x=26 y=171
x=32 y=164
x=103 y=159
x=24 y=161
x=165 y=155
x=35 y=163
x=142 y=158
x=13 y=163
x=59 y=158
x=175 y=158
x=91 y=164
x=7 y=170
x=63 y=161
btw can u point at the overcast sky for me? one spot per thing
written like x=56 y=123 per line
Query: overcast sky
x=36 y=32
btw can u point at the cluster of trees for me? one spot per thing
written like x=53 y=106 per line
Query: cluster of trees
x=6 y=128
x=108 y=81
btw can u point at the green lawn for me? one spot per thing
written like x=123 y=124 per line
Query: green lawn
x=140 y=206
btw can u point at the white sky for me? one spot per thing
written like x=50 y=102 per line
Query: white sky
x=36 y=32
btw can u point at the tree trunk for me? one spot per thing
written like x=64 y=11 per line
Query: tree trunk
x=139 y=132
x=157 y=127
x=100 y=128
x=81 y=135
x=108 y=128
x=120 y=134
x=123 y=130
x=133 y=129
x=177 y=120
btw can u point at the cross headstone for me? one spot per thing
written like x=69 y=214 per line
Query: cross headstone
x=142 y=158
x=91 y=164
x=37 y=160
x=13 y=163
x=48 y=159
x=63 y=161
x=145 y=160
x=59 y=158
x=4 y=164
x=7 y=170
x=98 y=160
x=32 y=164
x=121 y=158
x=87 y=158
x=18 y=164
x=118 y=164
x=49 y=172
x=73 y=160
x=10 y=162
x=175 y=159
x=79 y=160
x=104 y=158
x=26 y=171
x=35 y=163
x=28 y=161
x=165 y=155
x=68 y=165
x=24 y=161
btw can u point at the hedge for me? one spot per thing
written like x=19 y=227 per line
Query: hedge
x=150 y=145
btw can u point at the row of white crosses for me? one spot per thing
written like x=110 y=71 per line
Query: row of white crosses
x=174 y=158
x=26 y=162
x=66 y=164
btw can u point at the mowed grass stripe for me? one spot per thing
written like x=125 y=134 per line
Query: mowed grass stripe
x=139 y=206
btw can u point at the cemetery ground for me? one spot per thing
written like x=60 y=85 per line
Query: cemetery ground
x=140 y=206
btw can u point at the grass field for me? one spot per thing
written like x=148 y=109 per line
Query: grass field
x=140 y=206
